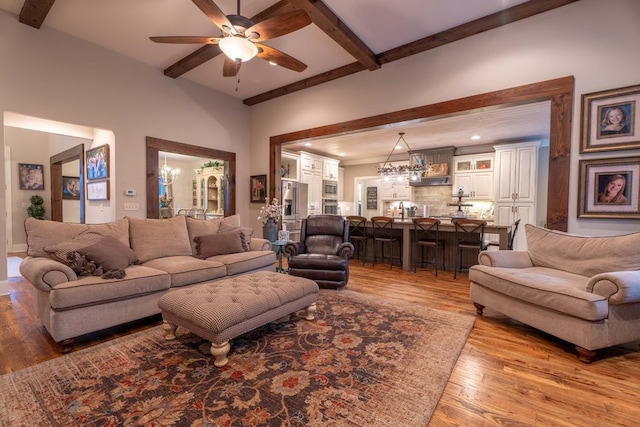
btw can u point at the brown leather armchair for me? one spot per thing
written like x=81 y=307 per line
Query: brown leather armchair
x=323 y=252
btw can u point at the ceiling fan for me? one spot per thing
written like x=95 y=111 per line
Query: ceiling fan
x=241 y=38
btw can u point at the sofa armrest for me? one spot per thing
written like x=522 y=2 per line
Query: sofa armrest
x=258 y=244
x=620 y=287
x=45 y=273
x=509 y=259
x=346 y=250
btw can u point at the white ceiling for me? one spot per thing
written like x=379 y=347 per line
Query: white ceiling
x=124 y=26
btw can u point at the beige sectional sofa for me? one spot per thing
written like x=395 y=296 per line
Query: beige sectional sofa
x=89 y=277
x=584 y=290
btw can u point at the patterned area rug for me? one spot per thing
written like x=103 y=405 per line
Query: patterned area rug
x=363 y=361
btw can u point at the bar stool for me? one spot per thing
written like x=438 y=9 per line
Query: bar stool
x=358 y=235
x=426 y=236
x=469 y=237
x=383 y=235
x=512 y=236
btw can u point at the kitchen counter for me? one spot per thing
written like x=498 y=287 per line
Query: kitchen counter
x=448 y=230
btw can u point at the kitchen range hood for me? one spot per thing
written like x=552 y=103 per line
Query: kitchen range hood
x=432 y=180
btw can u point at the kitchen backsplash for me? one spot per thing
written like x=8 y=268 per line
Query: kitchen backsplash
x=436 y=197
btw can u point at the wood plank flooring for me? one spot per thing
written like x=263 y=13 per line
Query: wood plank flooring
x=507 y=375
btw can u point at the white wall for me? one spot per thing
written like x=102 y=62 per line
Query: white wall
x=590 y=39
x=50 y=75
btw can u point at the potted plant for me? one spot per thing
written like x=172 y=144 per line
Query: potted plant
x=36 y=210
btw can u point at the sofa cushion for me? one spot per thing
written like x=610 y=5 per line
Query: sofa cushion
x=157 y=238
x=42 y=233
x=220 y=243
x=187 y=270
x=247 y=231
x=91 y=290
x=109 y=253
x=243 y=262
x=118 y=229
x=545 y=287
x=582 y=255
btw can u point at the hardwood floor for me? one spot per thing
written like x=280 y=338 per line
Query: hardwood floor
x=507 y=375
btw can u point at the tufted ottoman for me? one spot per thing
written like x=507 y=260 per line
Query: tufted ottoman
x=221 y=310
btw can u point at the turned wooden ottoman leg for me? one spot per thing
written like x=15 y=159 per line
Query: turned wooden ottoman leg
x=309 y=312
x=479 y=308
x=169 y=330
x=220 y=351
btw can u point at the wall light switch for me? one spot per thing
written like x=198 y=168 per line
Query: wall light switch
x=131 y=206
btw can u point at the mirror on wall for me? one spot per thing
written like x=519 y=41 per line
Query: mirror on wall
x=191 y=185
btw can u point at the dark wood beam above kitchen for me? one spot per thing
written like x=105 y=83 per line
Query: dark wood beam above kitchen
x=495 y=20
x=34 y=12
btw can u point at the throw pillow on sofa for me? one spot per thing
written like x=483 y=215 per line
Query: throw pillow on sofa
x=247 y=231
x=210 y=245
x=109 y=253
x=62 y=251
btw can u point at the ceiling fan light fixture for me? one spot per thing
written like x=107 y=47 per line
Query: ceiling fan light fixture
x=238 y=48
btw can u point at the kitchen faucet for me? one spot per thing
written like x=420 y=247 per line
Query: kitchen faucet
x=401 y=206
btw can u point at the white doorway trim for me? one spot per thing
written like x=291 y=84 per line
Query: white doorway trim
x=7 y=198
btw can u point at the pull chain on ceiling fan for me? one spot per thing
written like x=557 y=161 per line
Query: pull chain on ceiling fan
x=241 y=38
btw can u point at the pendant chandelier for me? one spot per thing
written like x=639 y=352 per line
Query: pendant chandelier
x=168 y=175
x=412 y=171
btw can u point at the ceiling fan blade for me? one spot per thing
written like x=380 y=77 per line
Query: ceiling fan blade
x=185 y=39
x=230 y=67
x=214 y=13
x=278 y=26
x=280 y=58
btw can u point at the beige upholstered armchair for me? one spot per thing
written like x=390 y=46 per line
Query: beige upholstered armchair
x=323 y=252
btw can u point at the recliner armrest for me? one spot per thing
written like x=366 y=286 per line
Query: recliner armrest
x=508 y=259
x=294 y=248
x=620 y=287
x=345 y=250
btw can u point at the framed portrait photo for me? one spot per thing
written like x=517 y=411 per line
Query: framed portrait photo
x=97 y=163
x=258 y=188
x=609 y=188
x=610 y=120
x=30 y=176
x=70 y=188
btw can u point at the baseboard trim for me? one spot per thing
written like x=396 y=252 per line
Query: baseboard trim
x=4 y=287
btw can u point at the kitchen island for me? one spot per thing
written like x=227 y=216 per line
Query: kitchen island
x=404 y=228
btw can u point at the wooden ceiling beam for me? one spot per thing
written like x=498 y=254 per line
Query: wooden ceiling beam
x=34 y=12
x=495 y=20
x=332 y=25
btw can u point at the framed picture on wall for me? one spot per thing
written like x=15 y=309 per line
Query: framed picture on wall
x=98 y=190
x=609 y=188
x=70 y=188
x=98 y=163
x=610 y=120
x=31 y=177
x=258 y=188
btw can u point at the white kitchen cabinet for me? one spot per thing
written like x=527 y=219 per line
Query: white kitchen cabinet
x=476 y=186
x=508 y=213
x=314 y=197
x=395 y=190
x=516 y=174
x=310 y=162
x=340 y=183
x=330 y=170
x=473 y=163
x=474 y=173
x=290 y=166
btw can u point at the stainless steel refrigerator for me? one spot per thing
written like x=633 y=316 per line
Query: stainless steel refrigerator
x=294 y=201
